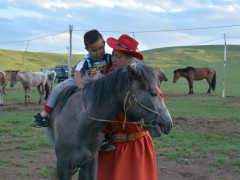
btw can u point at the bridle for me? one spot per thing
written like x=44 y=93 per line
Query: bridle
x=130 y=99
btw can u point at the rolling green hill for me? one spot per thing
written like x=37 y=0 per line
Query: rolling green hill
x=19 y=60
x=190 y=56
x=168 y=59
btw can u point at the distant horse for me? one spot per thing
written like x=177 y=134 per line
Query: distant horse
x=162 y=77
x=31 y=79
x=3 y=83
x=9 y=74
x=51 y=75
x=76 y=122
x=195 y=74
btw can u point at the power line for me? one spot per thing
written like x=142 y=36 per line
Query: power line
x=189 y=29
x=133 y=32
x=150 y=31
x=169 y=30
x=206 y=41
x=33 y=38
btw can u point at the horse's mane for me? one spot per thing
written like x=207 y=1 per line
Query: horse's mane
x=187 y=69
x=115 y=84
x=25 y=71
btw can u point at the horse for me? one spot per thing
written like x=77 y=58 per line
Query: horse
x=3 y=83
x=162 y=77
x=30 y=79
x=51 y=75
x=195 y=74
x=76 y=122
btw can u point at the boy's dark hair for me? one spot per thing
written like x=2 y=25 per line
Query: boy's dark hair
x=91 y=37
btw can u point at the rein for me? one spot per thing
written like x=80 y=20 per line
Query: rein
x=133 y=98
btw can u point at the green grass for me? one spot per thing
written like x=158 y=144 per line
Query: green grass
x=5 y=162
x=48 y=171
x=185 y=146
x=203 y=107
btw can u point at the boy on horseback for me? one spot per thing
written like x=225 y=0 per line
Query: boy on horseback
x=93 y=65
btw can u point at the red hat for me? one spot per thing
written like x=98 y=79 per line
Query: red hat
x=126 y=44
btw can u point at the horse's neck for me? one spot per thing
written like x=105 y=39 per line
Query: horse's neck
x=184 y=74
x=2 y=79
x=8 y=76
x=20 y=78
x=107 y=109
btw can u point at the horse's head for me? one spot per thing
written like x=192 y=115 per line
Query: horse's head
x=13 y=78
x=177 y=74
x=161 y=75
x=144 y=103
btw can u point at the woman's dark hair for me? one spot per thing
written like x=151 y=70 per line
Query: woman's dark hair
x=91 y=37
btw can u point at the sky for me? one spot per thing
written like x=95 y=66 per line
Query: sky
x=43 y=25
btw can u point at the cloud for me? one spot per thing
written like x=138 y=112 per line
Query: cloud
x=146 y=20
x=12 y=13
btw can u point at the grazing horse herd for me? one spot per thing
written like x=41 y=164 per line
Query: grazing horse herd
x=44 y=80
x=28 y=79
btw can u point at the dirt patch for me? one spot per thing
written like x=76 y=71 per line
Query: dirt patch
x=218 y=127
x=42 y=164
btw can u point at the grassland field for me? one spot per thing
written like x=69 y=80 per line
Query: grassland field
x=205 y=140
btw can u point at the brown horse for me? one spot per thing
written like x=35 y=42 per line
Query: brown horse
x=161 y=76
x=3 y=82
x=30 y=79
x=195 y=74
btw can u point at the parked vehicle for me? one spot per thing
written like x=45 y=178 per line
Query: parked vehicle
x=62 y=73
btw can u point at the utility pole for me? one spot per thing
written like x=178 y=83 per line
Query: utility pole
x=70 y=52
x=224 y=65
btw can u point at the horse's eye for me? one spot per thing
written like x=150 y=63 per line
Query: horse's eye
x=153 y=92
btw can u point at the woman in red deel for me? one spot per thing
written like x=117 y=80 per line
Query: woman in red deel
x=134 y=156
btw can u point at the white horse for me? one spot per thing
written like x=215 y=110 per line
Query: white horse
x=51 y=75
x=30 y=79
x=3 y=83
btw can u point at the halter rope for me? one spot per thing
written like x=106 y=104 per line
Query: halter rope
x=141 y=122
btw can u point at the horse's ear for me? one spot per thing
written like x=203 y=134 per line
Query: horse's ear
x=133 y=71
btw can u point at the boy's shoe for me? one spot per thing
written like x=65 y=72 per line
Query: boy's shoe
x=39 y=121
x=106 y=147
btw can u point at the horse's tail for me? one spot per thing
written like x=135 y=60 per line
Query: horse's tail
x=213 y=84
x=50 y=136
x=47 y=89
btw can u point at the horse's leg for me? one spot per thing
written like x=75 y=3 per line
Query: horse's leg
x=26 y=95
x=190 y=84
x=209 y=83
x=63 y=171
x=88 y=172
x=1 y=98
x=40 y=94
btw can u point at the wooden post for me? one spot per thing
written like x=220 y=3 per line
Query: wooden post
x=224 y=65
x=70 y=52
